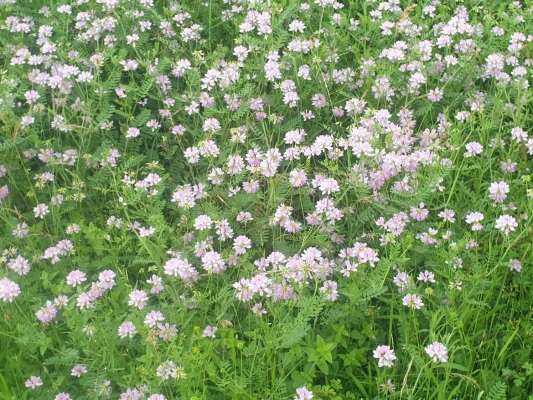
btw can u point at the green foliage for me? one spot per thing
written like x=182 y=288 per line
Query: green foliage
x=65 y=357
x=497 y=391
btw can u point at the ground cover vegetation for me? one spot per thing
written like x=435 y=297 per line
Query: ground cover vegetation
x=252 y=199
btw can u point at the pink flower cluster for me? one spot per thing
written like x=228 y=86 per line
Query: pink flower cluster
x=106 y=281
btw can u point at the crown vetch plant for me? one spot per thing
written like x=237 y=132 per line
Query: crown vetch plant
x=232 y=199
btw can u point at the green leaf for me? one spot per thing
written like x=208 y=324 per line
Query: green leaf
x=325 y=349
x=65 y=357
x=458 y=367
x=141 y=118
x=354 y=357
x=323 y=367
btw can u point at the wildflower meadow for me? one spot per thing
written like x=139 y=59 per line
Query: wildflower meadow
x=266 y=199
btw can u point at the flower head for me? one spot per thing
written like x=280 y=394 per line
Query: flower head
x=40 y=210
x=506 y=223
x=210 y=331
x=19 y=265
x=126 y=329
x=412 y=301
x=138 y=298
x=8 y=290
x=515 y=265
x=78 y=370
x=385 y=356
x=33 y=382
x=133 y=132
x=330 y=289
x=498 y=191
x=473 y=148
x=437 y=351
x=303 y=394
x=167 y=331
x=47 y=313
x=75 y=278
x=153 y=318
x=387 y=387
